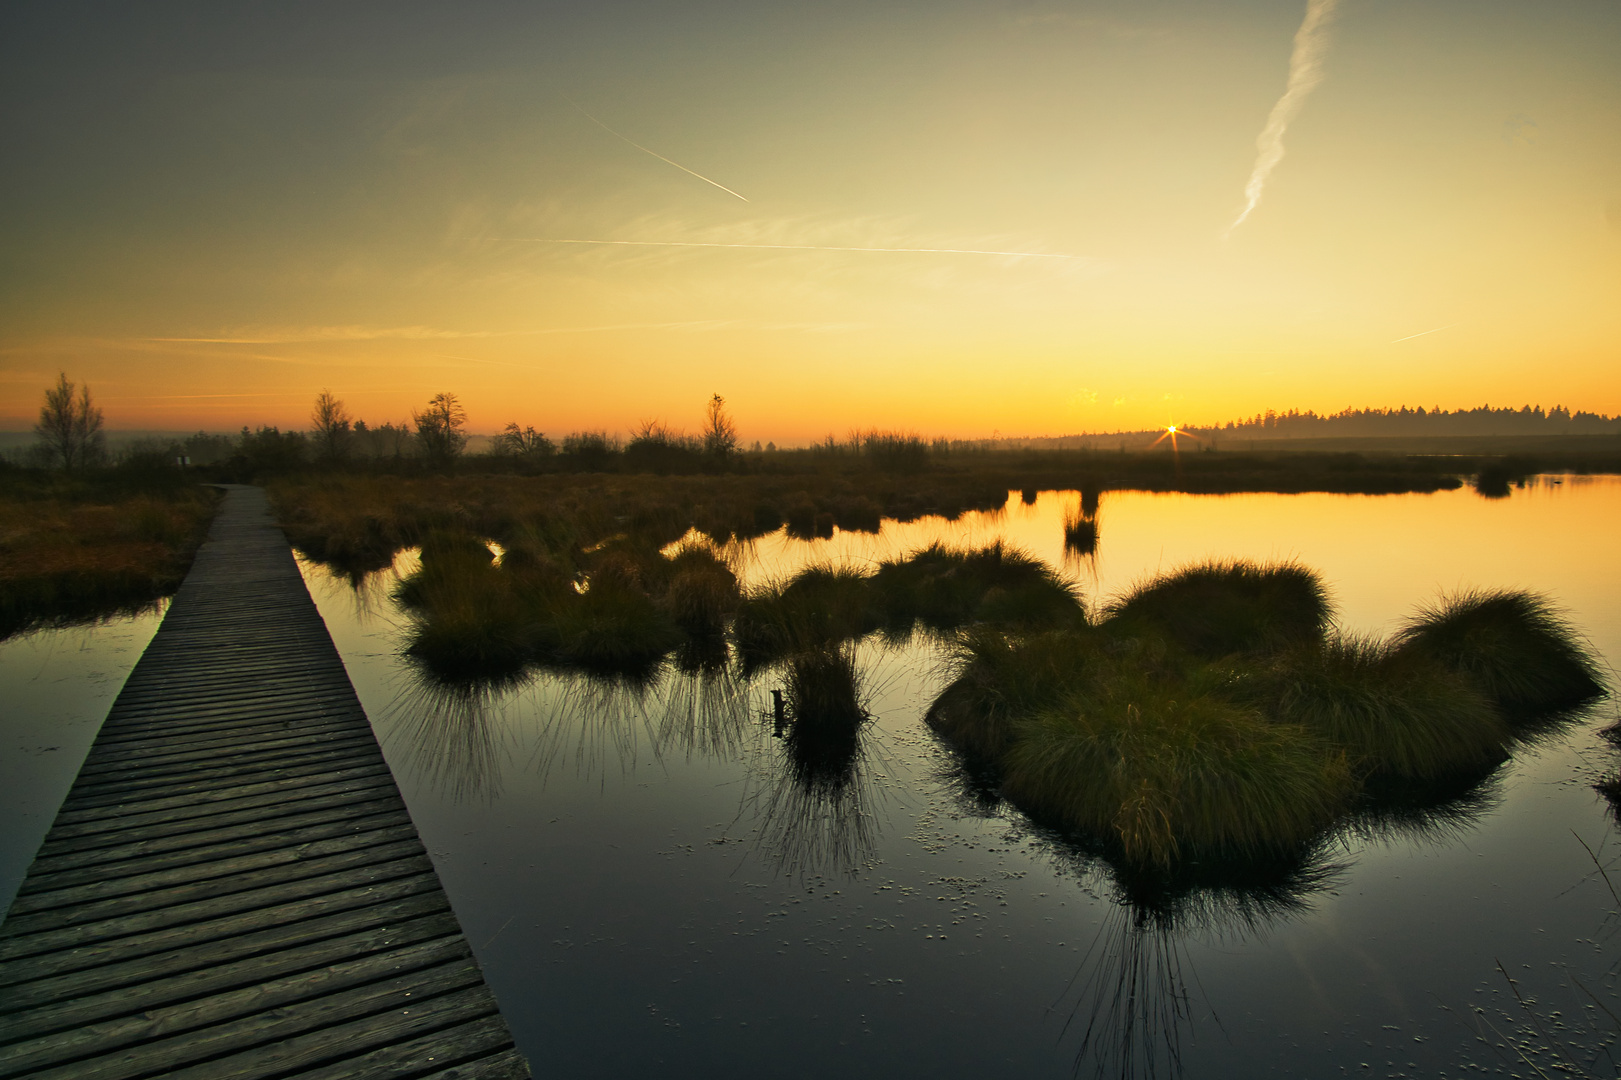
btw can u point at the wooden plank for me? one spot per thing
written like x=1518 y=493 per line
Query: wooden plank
x=46 y=878
x=288 y=902
x=245 y=831
x=396 y=1043
x=415 y=918
x=233 y=865
x=233 y=885
x=62 y=959
x=123 y=819
x=39 y=908
x=50 y=1016
x=169 y=1038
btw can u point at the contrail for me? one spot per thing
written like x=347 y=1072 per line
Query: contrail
x=792 y=247
x=655 y=153
x=1425 y=333
x=1305 y=72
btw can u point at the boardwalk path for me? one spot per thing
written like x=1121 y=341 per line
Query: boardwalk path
x=233 y=887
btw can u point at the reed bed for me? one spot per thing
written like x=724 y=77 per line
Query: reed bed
x=80 y=553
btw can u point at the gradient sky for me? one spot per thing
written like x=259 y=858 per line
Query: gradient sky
x=212 y=211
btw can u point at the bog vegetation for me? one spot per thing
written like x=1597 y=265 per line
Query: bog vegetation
x=1215 y=713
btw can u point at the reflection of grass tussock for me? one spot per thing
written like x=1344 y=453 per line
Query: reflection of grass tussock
x=815 y=811
x=1219 y=608
x=1513 y=645
x=1080 y=534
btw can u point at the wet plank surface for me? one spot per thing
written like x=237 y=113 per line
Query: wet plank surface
x=233 y=887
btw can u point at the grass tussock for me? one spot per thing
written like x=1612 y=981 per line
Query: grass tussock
x=819 y=607
x=1218 y=609
x=1193 y=720
x=1513 y=645
x=945 y=588
x=1395 y=713
x=1173 y=768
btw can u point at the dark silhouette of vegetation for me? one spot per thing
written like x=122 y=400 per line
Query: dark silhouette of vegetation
x=330 y=429
x=439 y=428
x=720 y=434
x=1483 y=420
x=69 y=427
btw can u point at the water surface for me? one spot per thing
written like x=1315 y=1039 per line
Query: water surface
x=650 y=883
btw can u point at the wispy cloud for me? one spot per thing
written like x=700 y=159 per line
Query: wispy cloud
x=655 y=153
x=1424 y=333
x=794 y=247
x=1305 y=73
x=288 y=335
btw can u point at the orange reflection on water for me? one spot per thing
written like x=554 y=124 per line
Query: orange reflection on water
x=1379 y=554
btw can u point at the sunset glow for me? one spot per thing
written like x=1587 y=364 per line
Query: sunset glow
x=967 y=220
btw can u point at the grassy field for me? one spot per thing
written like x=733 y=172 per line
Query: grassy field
x=77 y=550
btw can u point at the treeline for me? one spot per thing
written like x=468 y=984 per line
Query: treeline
x=1375 y=423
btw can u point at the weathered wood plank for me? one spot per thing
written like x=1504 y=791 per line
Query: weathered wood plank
x=70 y=956
x=233 y=886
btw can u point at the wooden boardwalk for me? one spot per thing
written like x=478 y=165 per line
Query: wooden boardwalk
x=233 y=887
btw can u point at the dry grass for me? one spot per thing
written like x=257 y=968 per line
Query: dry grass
x=80 y=556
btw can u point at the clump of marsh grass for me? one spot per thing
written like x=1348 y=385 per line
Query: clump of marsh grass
x=824 y=690
x=613 y=626
x=1396 y=713
x=945 y=588
x=702 y=591
x=1167 y=769
x=1217 y=609
x=819 y=606
x=1000 y=679
x=1515 y=646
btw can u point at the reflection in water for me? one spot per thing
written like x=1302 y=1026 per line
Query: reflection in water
x=813 y=794
x=446 y=732
x=1134 y=996
x=1129 y=1002
x=595 y=718
x=707 y=706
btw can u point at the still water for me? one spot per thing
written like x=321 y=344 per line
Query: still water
x=651 y=886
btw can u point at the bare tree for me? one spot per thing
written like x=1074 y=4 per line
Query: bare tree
x=330 y=422
x=523 y=442
x=720 y=434
x=439 y=428
x=69 y=427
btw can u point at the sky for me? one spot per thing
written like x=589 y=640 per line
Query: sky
x=962 y=219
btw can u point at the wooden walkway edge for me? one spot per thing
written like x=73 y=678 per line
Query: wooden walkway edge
x=233 y=887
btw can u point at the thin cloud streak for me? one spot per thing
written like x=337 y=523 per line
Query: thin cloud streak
x=1305 y=73
x=655 y=153
x=798 y=247
x=1425 y=333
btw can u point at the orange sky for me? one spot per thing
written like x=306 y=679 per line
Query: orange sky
x=214 y=215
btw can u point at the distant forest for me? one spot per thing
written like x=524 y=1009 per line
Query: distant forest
x=1365 y=423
